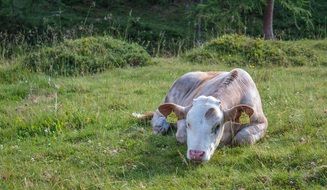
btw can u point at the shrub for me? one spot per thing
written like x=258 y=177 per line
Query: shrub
x=86 y=56
x=241 y=50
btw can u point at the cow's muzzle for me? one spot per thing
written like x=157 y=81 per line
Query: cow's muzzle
x=196 y=155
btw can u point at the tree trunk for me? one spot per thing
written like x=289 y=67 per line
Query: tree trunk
x=199 y=29
x=268 y=21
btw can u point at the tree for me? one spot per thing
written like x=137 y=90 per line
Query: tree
x=245 y=17
x=268 y=32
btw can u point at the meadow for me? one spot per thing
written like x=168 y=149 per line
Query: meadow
x=77 y=131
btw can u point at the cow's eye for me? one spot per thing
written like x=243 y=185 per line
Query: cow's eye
x=215 y=128
x=188 y=125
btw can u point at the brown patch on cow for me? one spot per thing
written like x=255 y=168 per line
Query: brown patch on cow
x=167 y=108
x=209 y=75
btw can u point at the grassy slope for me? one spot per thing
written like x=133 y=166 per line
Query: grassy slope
x=91 y=141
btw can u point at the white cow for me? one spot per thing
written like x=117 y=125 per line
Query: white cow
x=208 y=106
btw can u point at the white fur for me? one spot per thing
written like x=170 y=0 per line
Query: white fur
x=137 y=115
x=199 y=134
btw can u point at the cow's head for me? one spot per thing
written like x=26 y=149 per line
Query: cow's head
x=205 y=124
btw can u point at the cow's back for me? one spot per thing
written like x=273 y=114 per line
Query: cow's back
x=188 y=86
x=232 y=88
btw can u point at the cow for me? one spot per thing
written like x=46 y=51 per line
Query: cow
x=208 y=106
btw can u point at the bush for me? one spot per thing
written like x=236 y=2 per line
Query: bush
x=86 y=56
x=241 y=50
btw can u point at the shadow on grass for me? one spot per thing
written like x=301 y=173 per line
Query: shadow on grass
x=155 y=156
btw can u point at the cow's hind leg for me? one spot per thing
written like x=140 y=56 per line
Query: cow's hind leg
x=250 y=134
x=159 y=123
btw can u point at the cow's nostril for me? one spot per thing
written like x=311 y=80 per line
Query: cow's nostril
x=196 y=155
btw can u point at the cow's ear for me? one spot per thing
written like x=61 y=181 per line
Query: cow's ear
x=180 y=111
x=234 y=113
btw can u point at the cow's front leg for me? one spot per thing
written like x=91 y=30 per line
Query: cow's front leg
x=250 y=134
x=159 y=123
x=181 y=131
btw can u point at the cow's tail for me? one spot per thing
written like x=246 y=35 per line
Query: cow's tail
x=143 y=116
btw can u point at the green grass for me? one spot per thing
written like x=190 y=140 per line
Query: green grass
x=161 y=29
x=78 y=133
x=86 y=56
x=242 y=50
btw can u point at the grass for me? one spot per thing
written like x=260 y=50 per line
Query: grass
x=242 y=50
x=86 y=56
x=78 y=133
x=159 y=29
